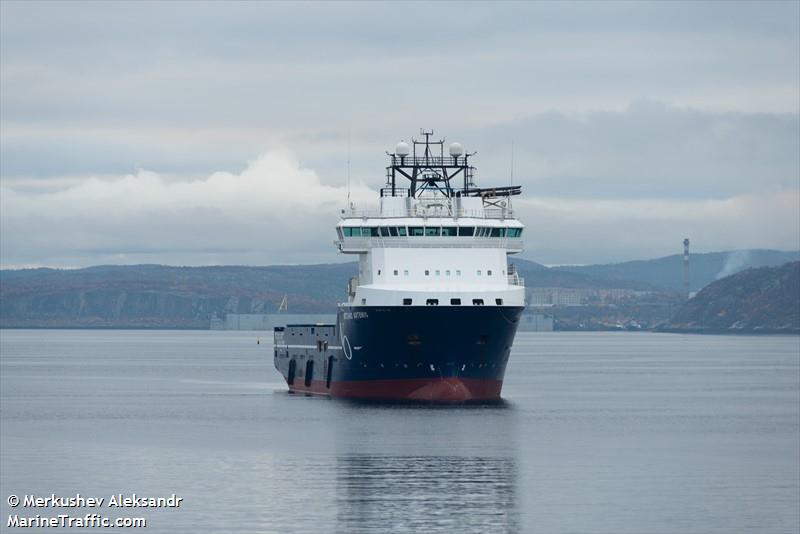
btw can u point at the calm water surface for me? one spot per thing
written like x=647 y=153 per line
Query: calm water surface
x=611 y=432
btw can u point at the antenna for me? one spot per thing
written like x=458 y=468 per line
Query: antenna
x=348 y=167
x=512 y=162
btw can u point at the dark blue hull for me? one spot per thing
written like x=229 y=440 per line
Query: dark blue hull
x=419 y=353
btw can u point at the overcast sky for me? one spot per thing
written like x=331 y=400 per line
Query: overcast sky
x=203 y=133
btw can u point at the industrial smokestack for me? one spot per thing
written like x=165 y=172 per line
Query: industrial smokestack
x=686 y=267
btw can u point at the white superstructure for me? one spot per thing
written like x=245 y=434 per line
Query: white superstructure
x=432 y=244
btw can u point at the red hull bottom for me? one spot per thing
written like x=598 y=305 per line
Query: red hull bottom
x=451 y=389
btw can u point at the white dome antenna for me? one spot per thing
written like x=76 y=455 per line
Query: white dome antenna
x=402 y=149
x=456 y=149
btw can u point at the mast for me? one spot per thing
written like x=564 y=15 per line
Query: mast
x=427 y=168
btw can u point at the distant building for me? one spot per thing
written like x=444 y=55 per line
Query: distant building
x=558 y=296
x=535 y=322
x=564 y=296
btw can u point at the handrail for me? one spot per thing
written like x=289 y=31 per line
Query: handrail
x=439 y=212
x=429 y=161
x=430 y=241
x=516 y=280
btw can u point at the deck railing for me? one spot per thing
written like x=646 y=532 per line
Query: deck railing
x=516 y=280
x=429 y=212
x=514 y=243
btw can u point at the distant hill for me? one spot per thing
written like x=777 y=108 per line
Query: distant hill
x=704 y=268
x=188 y=297
x=537 y=275
x=159 y=296
x=766 y=299
x=163 y=296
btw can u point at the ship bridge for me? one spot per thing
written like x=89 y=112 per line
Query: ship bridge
x=439 y=241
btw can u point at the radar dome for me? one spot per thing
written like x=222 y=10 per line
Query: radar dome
x=402 y=149
x=456 y=149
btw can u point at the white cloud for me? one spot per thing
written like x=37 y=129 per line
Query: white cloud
x=275 y=211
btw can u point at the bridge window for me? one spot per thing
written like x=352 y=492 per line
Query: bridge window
x=431 y=232
x=432 y=302
x=455 y=302
x=395 y=272
x=401 y=231
x=427 y=273
x=513 y=232
x=393 y=231
x=416 y=231
x=449 y=230
x=350 y=231
x=479 y=272
x=489 y=272
x=466 y=230
x=498 y=232
x=406 y=302
x=385 y=231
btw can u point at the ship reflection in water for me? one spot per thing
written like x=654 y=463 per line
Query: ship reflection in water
x=402 y=468
x=426 y=494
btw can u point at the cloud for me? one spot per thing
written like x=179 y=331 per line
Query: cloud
x=569 y=230
x=633 y=124
x=649 y=149
x=275 y=211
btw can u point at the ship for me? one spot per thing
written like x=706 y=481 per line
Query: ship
x=433 y=312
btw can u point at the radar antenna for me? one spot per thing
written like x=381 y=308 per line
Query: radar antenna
x=425 y=165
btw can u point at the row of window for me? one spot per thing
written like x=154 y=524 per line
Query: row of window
x=453 y=302
x=427 y=231
x=438 y=272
